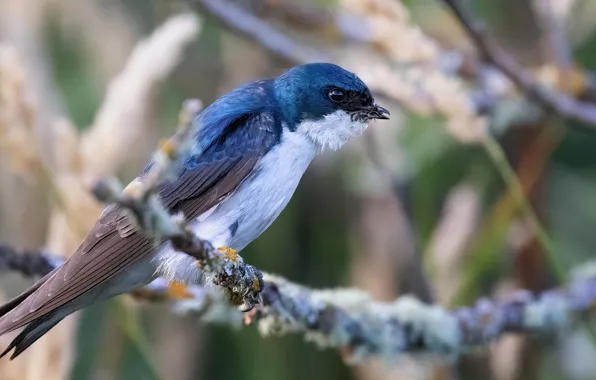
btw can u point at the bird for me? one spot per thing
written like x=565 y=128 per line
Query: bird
x=249 y=150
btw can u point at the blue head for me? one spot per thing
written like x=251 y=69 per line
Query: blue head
x=321 y=101
x=325 y=102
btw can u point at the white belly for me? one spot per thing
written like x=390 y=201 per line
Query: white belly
x=250 y=210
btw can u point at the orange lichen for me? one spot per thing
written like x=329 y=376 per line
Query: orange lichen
x=134 y=188
x=230 y=253
x=178 y=291
x=572 y=81
x=168 y=147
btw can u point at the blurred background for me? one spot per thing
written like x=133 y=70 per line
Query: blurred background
x=421 y=204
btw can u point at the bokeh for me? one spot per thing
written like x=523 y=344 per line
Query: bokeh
x=472 y=189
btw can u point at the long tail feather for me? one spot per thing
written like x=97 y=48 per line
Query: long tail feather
x=30 y=334
x=13 y=303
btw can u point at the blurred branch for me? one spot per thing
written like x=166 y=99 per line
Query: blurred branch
x=249 y=25
x=553 y=100
x=515 y=188
x=553 y=29
x=325 y=22
x=28 y=263
x=559 y=102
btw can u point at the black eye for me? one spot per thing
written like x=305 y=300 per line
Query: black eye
x=337 y=95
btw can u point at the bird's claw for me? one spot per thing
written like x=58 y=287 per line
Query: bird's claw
x=178 y=291
x=249 y=315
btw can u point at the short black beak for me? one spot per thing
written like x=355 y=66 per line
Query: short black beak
x=378 y=112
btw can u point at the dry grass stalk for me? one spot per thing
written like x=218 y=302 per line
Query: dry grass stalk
x=120 y=122
x=124 y=109
x=76 y=159
x=18 y=149
x=88 y=19
x=448 y=243
x=17 y=116
x=421 y=82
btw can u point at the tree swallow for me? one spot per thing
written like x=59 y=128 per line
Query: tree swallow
x=250 y=149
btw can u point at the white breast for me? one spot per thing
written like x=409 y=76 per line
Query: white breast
x=262 y=197
x=333 y=130
x=259 y=200
x=251 y=208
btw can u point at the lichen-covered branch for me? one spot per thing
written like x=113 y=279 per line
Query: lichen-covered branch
x=560 y=102
x=349 y=320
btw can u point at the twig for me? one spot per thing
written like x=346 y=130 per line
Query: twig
x=315 y=19
x=516 y=190
x=494 y=54
x=559 y=102
x=30 y=264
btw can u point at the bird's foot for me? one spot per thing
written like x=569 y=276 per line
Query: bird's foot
x=178 y=291
x=230 y=253
x=249 y=316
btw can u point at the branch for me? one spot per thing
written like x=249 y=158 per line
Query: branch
x=349 y=320
x=315 y=20
x=28 y=263
x=559 y=102
x=249 y=25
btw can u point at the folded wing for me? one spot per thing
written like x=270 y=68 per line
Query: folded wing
x=112 y=246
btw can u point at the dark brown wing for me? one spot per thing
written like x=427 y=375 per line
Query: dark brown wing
x=112 y=246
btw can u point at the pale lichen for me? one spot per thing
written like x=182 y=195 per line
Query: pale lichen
x=352 y=322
